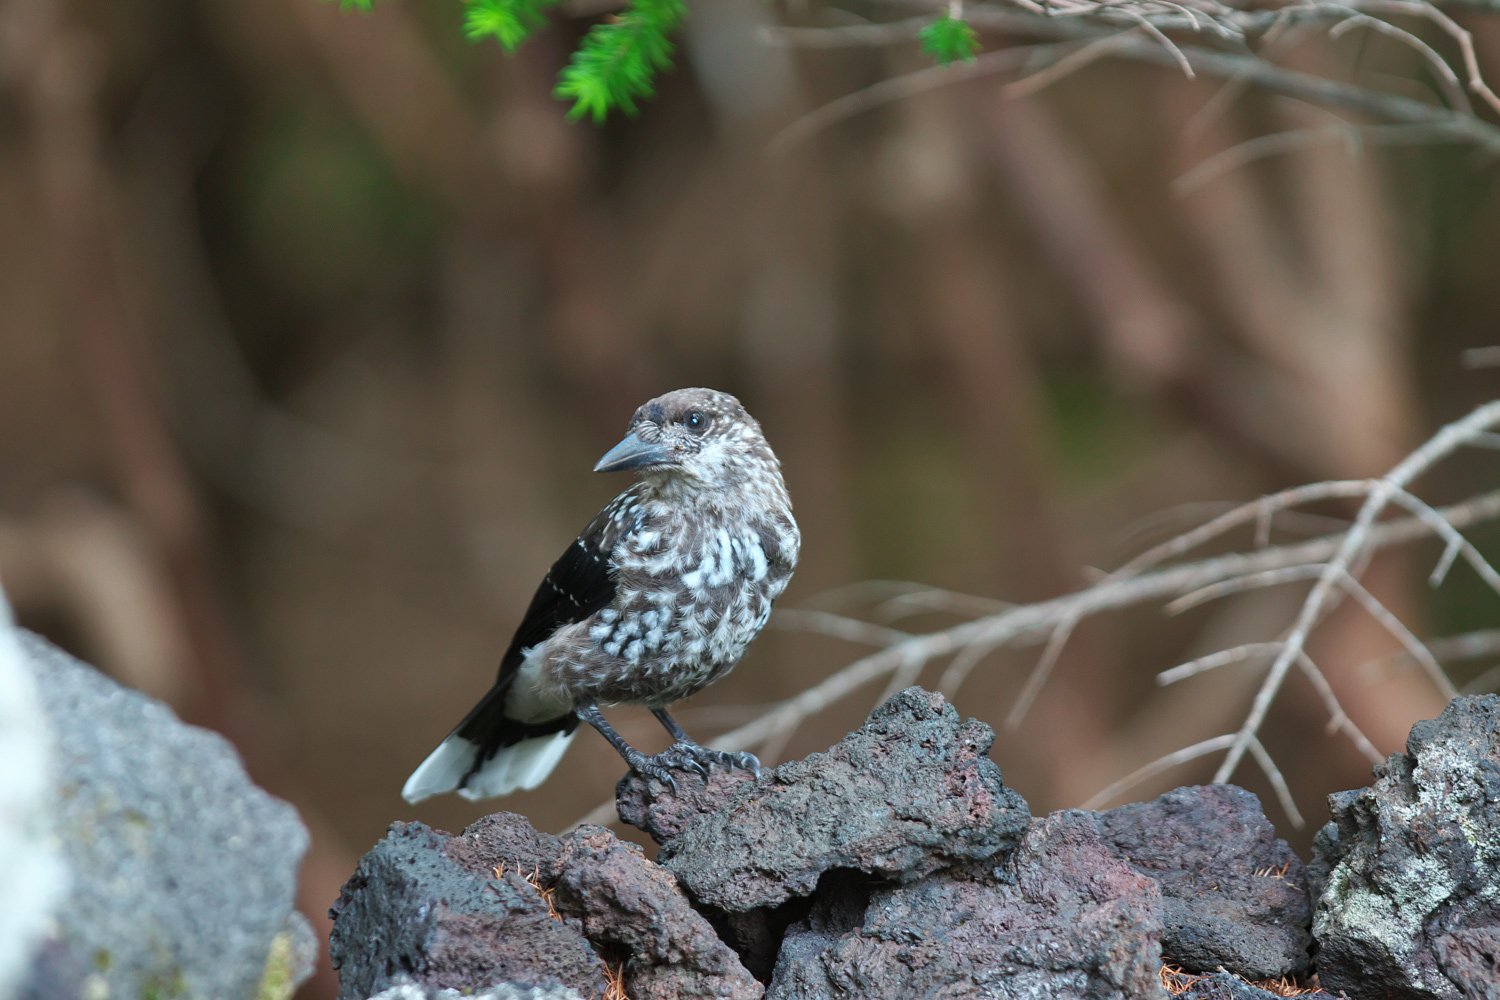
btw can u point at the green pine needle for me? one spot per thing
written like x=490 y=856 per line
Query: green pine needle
x=949 y=40
x=617 y=62
x=510 y=22
x=364 y=5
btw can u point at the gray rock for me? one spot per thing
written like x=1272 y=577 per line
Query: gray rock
x=412 y=912
x=183 y=872
x=502 y=903
x=1407 y=873
x=32 y=877
x=908 y=793
x=628 y=903
x=1233 y=895
x=664 y=812
x=1062 y=918
x=409 y=990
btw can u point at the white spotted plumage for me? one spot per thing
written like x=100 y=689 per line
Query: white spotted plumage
x=657 y=599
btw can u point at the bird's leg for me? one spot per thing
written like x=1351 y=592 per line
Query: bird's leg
x=654 y=766
x=687 y=745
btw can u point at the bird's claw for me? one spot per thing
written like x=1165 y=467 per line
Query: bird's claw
x=694 y=758
x=729 y=761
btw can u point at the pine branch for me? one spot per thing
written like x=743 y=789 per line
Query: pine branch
x=949 y=39
x=510 y=22
x=618 y=61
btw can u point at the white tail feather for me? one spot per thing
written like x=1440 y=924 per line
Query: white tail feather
x=523 y=766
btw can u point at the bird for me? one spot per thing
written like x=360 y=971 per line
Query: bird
x=657 y=599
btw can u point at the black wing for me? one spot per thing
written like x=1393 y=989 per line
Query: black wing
x=577 y=585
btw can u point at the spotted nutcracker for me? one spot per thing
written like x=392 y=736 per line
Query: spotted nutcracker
x=656 y=600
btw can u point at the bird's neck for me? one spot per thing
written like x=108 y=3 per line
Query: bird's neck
x=760 y=497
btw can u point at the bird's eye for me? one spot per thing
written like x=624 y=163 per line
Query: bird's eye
x=695 y=420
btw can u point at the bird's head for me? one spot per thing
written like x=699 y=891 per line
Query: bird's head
x=696 y=438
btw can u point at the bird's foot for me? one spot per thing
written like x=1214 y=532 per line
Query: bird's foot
x=725 y=759
x=684 y=756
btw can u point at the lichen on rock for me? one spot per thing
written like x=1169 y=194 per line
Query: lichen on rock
x=1407 y=873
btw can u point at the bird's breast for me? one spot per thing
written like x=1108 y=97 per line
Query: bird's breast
x=687 y=604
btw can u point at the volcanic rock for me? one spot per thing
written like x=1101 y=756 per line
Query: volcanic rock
x=1061 y=918
x=1234 y=896
x=908 y=793
x=1407 y=874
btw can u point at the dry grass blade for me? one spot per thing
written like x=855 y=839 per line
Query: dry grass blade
x=1175 y=980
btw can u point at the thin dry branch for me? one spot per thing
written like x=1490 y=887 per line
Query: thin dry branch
x=1031 y=624
x=1354 y=544
x=1335 y=560
x=1148 y=771
x=1141 y=30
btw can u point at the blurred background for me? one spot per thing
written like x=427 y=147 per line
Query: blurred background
x=313 y=323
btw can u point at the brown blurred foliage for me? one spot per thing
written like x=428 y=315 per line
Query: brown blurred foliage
x=312 y=324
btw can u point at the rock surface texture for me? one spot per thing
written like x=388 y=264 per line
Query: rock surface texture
x=899 y=865
x=910 y=792
x=504 y=991
x=1234 y=896
x=183 y=873
x=1407 y=873
x=502 y=903
x=1062 y=918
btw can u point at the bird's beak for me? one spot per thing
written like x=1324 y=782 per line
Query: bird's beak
x=633 y=453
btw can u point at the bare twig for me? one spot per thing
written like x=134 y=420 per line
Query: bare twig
x=899 y=88
x=1151 y=770
x=1040 y=673
x=1337 y=573
x=1202 y=664
x=1338 y=719
x=838 y=626
x=1251 y=581
x=1278 y=783
x=1333 y=558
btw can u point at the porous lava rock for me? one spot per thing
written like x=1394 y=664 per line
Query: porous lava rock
x=408 y=990
x=1407 y=873
x=1234 y=896
x=1060 y=918
x=412 y=910
x=630 y=904
x=910 y=792
x=505 y=904
x=664 y=812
